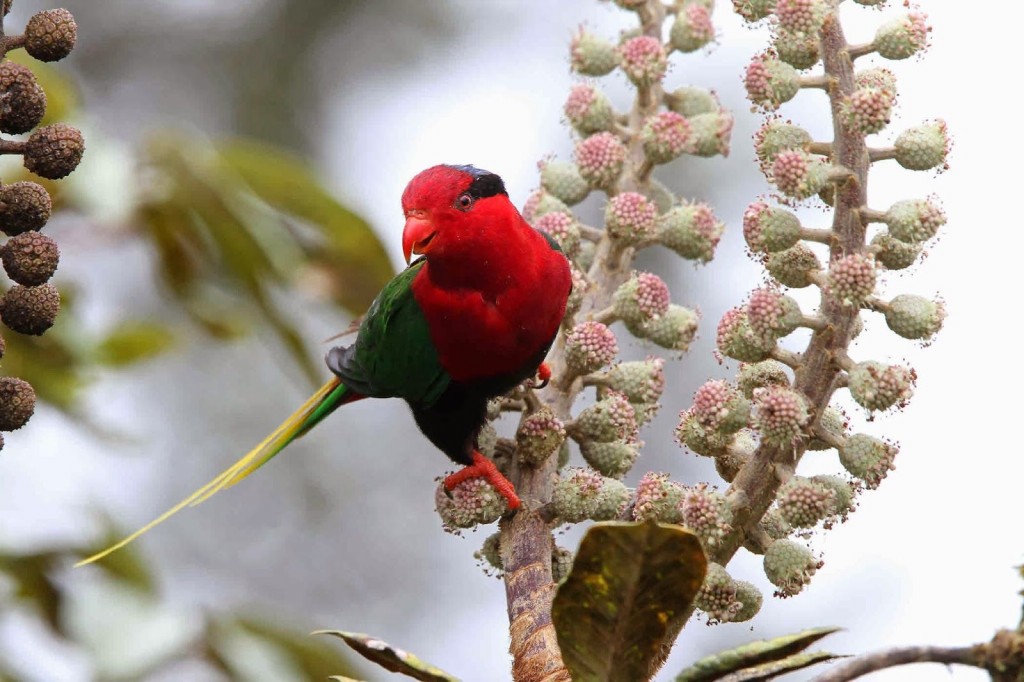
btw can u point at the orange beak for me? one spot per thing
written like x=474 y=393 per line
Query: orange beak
x=419 y=233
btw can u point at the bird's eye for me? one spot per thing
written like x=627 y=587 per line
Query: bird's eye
x=464 y=202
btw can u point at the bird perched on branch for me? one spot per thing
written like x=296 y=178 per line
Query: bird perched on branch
x=471 y=318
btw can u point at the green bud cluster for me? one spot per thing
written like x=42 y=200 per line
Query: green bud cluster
x=789 y=566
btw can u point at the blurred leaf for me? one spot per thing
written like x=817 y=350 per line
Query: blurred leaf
x=342 y=678
x=390 y=658
x=127 y=565
x=30 y=574
x=133 y=341
x=223 y=222
x=315 y=659
x=628 y=581
x=768 y=671
x=765 y=651
x=62 y=100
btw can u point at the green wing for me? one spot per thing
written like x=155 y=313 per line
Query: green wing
x=393 y=356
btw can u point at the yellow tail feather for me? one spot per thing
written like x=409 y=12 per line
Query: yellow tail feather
x=252 y=460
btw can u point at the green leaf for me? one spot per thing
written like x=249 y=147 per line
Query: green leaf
x=390 y=658
x=133 y=341
x=315 y=659
x=30 y=574
x=628 y=581
x=718 y=666
x=773 y=669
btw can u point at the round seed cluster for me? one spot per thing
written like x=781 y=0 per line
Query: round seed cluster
x=804 y=502
x=640 y=299
x=718 y=406
x=665 y=136
x=591 y=55
x=915 y=220
x=903 y=37
x=798 y=49
x=914 y=317
x=832 y=422
x=539 y=436
x=706 y=513
x=876 y=386
x=17 y=403
x=852 y=279
x=490 y=553
x=22 y=100
x=576 y=495
x=50 y=35
x=780 y=415
x=717 y=596
x=641 y=381
x=674 y=330
x=798 y=174
x=470 y=503
x=750 y=599
x=690 y=101
x=773 y=315
x=612 y=418
x=24 y=206
x=893 y=253
x=54 y=151
x=630 y=217
x=563 y=228
x=735 y=338
x=613 y=459
x=542 y=202
x=776 y=136
x=768 y=229
x=924 y=147
x=793 y=266
x=657 y=498
x=691 y=230
x=868 y=110
x=770 y=82
x=589 y=347
x=755 y=375
x=30 y=258
x=643 y=60
x=753 y=10
x=692 y=28
x=611 y=501
x=30 y=310
x=589 y=110
x=805 y=16
x=867 y=458
x=702 y=440
x=563 y=180
x=789 y=566
x=600 y=158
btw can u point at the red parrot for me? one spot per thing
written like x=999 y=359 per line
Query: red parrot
x=467 y=321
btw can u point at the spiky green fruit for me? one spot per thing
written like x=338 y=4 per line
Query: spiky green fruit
x=735 y=338
x=613 y=459
x=914 y=317
x=894 y=254
x=30 y=310
x=691 y=230
x=804 y=502
x=563 y=228
x=471 y=503
x=541 y=203
x=805 y=16
x=589 y=347
x=852 y=279
x=755 y=375
x=539 y=436
x=17 y=403
x=589 y=110
x=580 y=287
x=642 y=381
x=793 y=266
x=630 y=217
x=868 y=110
x=643 y=60
x=591 y=55
x=876 y=386
x=902 y=37
x=753 y=10
x=563 y=180
x=600 y=159
x=867 y=458
x=914 y=220
x=770 y=82
x=780 y=415
x=832 y=422
x=777 y=136
x=691 y=102
x=487 y=440
x=773 y=315
x=657 y=498
x=843 y=494
x=799 y=175
x=30 y=258
x=710 y=133
x=707 y=513
x=798 y=49
x=50 y=35
x=611 y=501
x=490 y=552
x=774 y=525
x=674 y=330
x=789 y=566
x=665 y=136
x=701 y=439
x=692 y=28
x=717 y=595
x=750 y=599
x=923 y=147
x=576 y=494
x=24 y=206
x=720 y=407
x=640 y=299
x=609 y=419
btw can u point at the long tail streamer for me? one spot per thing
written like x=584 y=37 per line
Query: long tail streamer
x=331 y=396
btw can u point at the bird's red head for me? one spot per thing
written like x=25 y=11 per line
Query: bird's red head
x=446 y=206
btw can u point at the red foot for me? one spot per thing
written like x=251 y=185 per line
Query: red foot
x=485 y=469
x=544 y=374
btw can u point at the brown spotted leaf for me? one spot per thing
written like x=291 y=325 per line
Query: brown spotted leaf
x=628 y=582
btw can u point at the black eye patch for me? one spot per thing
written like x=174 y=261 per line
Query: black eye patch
x=485 y=183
